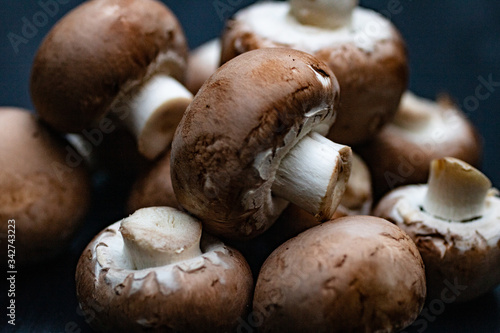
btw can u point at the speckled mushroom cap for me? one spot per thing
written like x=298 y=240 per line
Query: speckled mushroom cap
x=153 y=187
x=421 y=131
x=46 y=196
x=206 y=293
x=98 y=55
x=460 y=253
x=240 y=125
x=353 y=274
x=367 y=55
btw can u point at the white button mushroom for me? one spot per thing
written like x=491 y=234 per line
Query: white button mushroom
x=250 y=142
x=454 y=222
x=363 y=49
x=42 y=188
x=353 y=274
x=421 y=131
x=123 y=57
x=155 y=271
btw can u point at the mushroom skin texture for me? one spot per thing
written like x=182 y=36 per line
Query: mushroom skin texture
x=371 y=68
x=203 y=61
x=122 y=58
x=204 y=292
x=239 y=131
x=421 y=131
x=461 y=253
x=353 y=274
x=41 y=189
x=153 y=187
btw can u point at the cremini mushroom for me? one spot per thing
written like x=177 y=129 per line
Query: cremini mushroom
x=203 y=61
x=154 y=271
x=122 y=58
x=44 y=187
x=353 y=274
x=454 y=222
x=421 y=131
x=251 y=142
x=153 y=187
x=363 y=49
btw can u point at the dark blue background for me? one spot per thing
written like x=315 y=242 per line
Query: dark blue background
x=451 y=43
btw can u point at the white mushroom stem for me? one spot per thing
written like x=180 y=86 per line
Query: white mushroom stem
x=456 y=190
x=158 y=236
x=327 y=14
x=313 y=175
x=155 y=113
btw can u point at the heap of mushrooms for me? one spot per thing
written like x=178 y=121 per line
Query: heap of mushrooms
x=154 y=271
x=44 y=188
x=453 y=219
x=421 y=131
x=353 y=274
x=251 y=142
x=125 y=59
x=362 y=48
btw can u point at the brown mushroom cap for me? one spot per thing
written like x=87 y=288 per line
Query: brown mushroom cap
x=353 y=274
x=153 y=187
x=240 y=125
x=207 y=293
x=99 y=54
x=368 y=57
x=422 y=130
x=46 y=196
x=461 y=253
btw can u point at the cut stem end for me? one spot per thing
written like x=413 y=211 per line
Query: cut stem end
x=456 y=190
x=313 y=175
x=159 y=236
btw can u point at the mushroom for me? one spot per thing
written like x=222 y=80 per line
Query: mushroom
x=44 y=188
x=122 y=58
x=357 y=200
x=421 y=131
x=153 y=187
x=363 y=49
x=353 y=274
x=454 y=222
x=250 y=142
x=203 y=62
x=154 y=271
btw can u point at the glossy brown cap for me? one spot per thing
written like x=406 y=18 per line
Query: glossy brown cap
x=242 y=122
x=100 y=52
x=353 y=274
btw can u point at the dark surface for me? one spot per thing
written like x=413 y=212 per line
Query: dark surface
x=451 y=45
